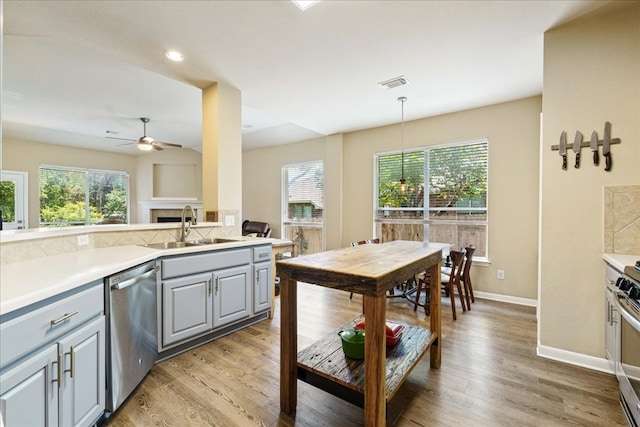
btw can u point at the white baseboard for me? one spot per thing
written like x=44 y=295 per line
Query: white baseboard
x=506 y=298
x=577 y=359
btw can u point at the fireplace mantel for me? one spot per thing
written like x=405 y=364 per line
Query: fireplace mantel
x=148 y=206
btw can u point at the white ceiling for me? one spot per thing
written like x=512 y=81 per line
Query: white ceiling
x=73 y=70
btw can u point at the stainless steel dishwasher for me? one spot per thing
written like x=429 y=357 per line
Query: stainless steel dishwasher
x=132 y=330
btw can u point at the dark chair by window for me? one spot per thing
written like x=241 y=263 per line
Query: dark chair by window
x=260 y=229
x=448 y=282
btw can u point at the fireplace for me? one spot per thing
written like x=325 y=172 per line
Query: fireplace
x=162 y=211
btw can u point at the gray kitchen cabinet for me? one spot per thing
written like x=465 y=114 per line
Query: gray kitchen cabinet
x=209 y=294
x=262 y=293
x=612 y=317
x=83 y=380
x=52 y=369
x=29 y=392
x=232 y=295
x=186 y=307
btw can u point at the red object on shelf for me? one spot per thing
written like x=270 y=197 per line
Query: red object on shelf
x=393 y=331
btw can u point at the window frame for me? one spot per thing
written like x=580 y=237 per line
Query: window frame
x=426 y=210
x=86 y=172
x=284 y=208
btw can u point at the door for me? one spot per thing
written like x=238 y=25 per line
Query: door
x=13 y=200
x=29 y=391
x=262 y=287
x=186 y=307
x=82 y=396
x=231 y=295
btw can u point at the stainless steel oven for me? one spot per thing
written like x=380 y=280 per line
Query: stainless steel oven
x=625 y=309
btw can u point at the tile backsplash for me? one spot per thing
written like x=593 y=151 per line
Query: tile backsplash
x=622 y=219
x=17 y=251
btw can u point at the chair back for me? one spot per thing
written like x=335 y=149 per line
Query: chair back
x=261 y=229
x=457 y=258
x=469 y=250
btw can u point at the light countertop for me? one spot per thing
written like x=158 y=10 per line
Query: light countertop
x=28 y=282
x=620 y=261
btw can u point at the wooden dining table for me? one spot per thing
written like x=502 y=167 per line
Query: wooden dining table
x=370 y=270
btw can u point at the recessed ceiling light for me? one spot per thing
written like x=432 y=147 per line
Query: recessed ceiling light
x=174 y=55
x=305 y=4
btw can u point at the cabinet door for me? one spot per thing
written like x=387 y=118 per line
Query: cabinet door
x=186 y=307
x=29 y=391
x=611 y=330
x=232 y=295
x=82 y=399
x=262 y=287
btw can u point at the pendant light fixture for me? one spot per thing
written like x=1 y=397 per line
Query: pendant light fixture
x=403 y=182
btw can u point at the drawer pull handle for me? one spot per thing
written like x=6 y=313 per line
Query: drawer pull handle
x=58 y=362
x=134 y=280
x=266 y=254
x=63 y=318
x=217 y=284
x=72 y=364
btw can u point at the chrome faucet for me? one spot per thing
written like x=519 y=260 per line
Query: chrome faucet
x=184 y=229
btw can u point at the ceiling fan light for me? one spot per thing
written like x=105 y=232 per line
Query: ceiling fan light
x=143 y=146
x=174 y=55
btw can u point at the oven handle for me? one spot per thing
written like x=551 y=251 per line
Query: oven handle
x=134 y=280
x=624 y=313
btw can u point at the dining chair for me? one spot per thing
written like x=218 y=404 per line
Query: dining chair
x=362 y=242
x=465 y=276
x=448 y=281
x=402 y=287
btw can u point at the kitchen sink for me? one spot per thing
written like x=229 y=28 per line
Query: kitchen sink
x=188 y=243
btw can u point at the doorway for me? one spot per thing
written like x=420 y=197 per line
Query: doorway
x=14 y=200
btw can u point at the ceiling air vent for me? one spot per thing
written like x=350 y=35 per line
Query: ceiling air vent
x=395 y=82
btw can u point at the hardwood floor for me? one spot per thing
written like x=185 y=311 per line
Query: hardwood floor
x=490 y=376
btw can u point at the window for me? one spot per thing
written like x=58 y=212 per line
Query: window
x=456 y=178
x=71 y=196
x=302 y=207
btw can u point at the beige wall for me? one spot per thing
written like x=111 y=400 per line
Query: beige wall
x=28 y=156
x=262 y=178
x=513 y=130
x=144 y=173
x=591 y=75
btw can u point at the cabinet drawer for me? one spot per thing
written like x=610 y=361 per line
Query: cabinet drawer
x=262 y=253
x=192 y=264
x=45 y=324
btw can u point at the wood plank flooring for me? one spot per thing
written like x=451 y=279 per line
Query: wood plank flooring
x=490 y=376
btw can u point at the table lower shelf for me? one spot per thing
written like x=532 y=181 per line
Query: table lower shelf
x=324 y=364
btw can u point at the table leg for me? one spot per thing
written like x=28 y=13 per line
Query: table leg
x=288 y=345
x=434 y=314
x=375 y=361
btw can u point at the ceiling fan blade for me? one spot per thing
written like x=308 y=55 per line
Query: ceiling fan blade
x=121 y=145
x=166 y=144
x=123 y=139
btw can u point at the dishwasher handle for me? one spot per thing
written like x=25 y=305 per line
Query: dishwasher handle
x=134 y=280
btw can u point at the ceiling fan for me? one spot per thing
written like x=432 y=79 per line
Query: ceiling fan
x=146 y=143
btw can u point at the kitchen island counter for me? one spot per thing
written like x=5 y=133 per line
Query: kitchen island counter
x=370 y=270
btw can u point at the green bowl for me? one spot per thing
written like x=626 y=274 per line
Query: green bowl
x=353 y=343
